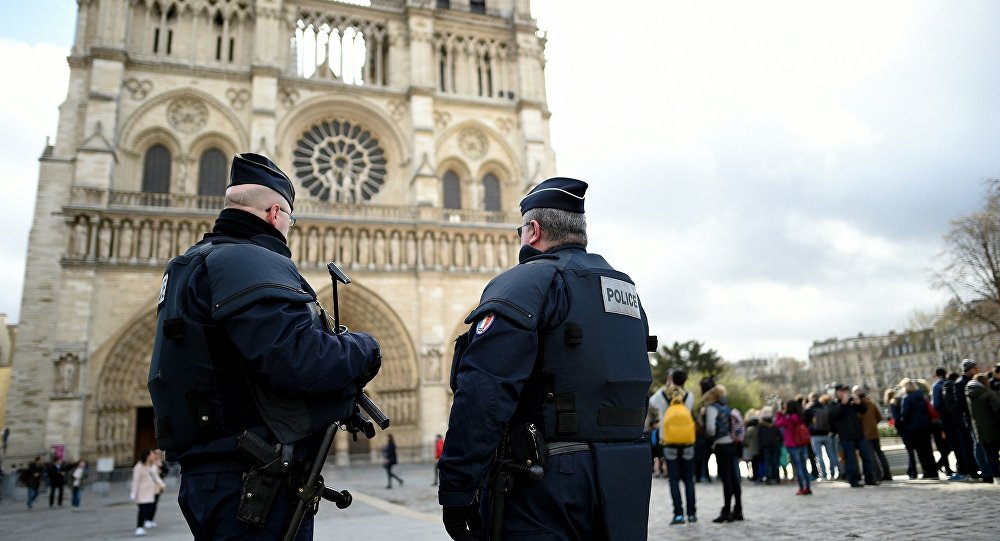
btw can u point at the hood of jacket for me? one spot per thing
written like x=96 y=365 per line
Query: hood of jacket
x=974 y=389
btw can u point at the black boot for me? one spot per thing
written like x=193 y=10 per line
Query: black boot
x=724 y=516
x=737 y=513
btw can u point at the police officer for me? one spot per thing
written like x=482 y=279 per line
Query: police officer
x=553 y=371
x=243 y=349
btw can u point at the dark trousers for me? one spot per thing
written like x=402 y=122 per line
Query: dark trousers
x=76 y=497
x=209 y=502
x=968 y=448
x=729 y=473
x=954 y=438
x=52 y=494
x=993 y=457
x=772 y=456
x=920 y=439
x=391 y=476
x=682 y=470
x=32 y=495
x=942 y=446
x=851 y=461
x=882 y=461
x=145 y=513
x=435 y=472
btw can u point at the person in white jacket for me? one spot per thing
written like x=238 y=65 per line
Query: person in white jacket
x=146 y=484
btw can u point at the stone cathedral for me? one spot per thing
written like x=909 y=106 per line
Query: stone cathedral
x=412 y=128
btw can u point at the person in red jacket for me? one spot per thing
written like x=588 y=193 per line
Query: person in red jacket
x=438 y=447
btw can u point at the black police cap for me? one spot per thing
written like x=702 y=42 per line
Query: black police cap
x=556 y=193
x=249 y=168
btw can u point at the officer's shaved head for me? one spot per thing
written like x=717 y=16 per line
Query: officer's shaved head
x=253 y=196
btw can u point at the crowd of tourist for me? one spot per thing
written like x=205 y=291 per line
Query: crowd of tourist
x=825 y=436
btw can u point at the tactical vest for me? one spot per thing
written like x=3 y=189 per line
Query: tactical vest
x=198 y=380
x=593 y=374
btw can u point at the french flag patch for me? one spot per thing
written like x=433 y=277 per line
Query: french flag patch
x=485 y=323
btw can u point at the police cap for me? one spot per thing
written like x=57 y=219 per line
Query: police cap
x=556 y=193
x=249 y=168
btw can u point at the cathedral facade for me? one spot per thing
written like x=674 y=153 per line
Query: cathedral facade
x=411 y=128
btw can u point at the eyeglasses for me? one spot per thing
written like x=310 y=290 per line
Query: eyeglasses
x=519 y=229
x=291 y=219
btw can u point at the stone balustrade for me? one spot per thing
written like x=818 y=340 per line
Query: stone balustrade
x=134 y=228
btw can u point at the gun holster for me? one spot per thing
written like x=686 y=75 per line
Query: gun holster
x=262 y=483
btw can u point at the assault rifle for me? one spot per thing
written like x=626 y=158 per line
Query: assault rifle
x=366 y=416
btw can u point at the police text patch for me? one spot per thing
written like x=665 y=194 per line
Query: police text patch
x=620 y=297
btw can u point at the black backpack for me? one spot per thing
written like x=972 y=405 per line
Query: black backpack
x=821 y=419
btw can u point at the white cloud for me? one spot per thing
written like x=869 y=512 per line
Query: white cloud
x=36 y=79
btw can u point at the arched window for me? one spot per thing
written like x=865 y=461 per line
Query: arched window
x=212 y=173
x=491 y=192
x=156 y=170
x=452 y=191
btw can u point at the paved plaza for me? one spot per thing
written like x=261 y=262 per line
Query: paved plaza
x=897 y=510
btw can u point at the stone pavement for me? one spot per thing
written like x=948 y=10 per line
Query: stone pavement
x=900 y=510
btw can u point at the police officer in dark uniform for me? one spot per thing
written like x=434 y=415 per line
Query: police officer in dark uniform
x=552 y=373
x=244 y=350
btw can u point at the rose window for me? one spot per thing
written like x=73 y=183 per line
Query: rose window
x=337 y=160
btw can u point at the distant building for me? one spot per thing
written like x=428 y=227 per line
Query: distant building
x=852 y=361
x=960 y=336
x=912 y=354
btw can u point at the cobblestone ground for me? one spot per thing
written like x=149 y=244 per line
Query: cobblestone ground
x=897 y=510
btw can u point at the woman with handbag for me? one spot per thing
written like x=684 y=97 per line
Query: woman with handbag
x=797 y=439
x=915 y=418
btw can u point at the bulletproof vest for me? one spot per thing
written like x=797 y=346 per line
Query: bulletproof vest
x=591 y=380
x=198 y=381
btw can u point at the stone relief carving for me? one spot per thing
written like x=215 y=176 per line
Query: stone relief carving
x=138 y=89
x=67 y=374
x=441 y=119
x=288 y=97
x=505 y=125
x=238 y=98
x=430 y=357
x=187 y=114
x=397 y=109
x=473 y=143
x=124 y=241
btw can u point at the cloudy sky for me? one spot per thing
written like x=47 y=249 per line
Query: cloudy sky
x=769 y=173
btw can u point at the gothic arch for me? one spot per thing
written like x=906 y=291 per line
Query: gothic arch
x=127 y=141
x=495 y=138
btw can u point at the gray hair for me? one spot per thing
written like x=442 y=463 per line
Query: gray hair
x=562 y=227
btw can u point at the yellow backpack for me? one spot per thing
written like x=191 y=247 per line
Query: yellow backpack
x=677 y=429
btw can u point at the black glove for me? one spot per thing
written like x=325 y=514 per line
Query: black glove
x=374 y=353
x=462 y=522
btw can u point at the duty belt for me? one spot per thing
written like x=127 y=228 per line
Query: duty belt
x=566 y=447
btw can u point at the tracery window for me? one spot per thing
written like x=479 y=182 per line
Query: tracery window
x=163 y=31
x=339 y=160
x=351 y=51
x=491 y=193
x=156 y=170
x=452 y=191
x=212 y=173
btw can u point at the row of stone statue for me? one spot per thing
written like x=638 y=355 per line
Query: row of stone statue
x=125 y=241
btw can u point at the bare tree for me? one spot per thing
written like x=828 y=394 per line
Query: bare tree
x=972 y=254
